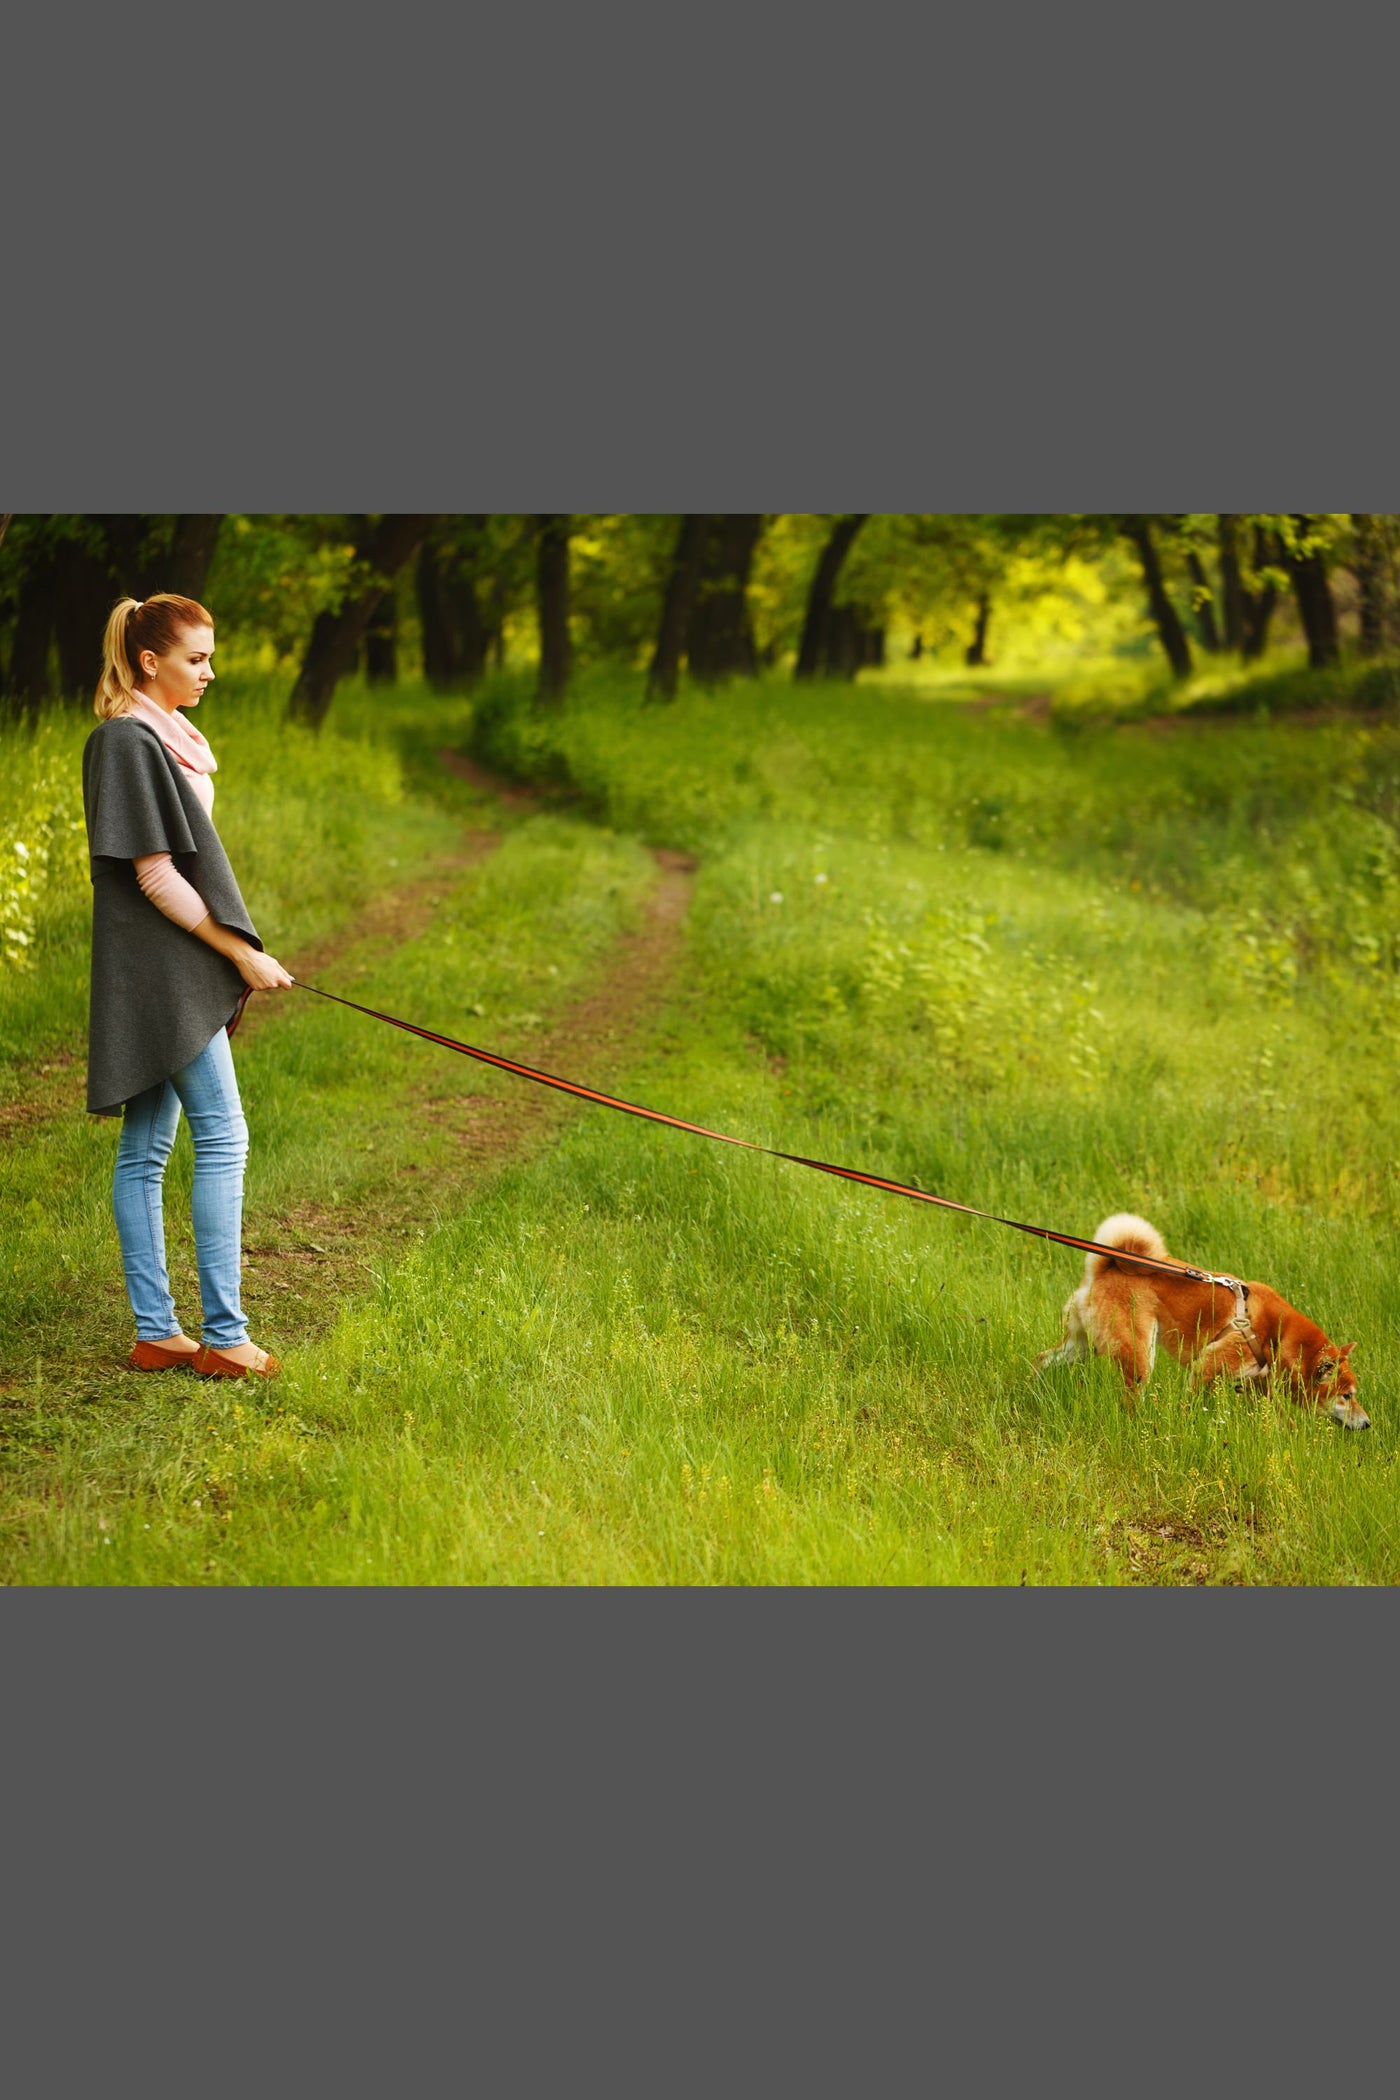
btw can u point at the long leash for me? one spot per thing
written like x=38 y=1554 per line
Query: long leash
x=796 y=1159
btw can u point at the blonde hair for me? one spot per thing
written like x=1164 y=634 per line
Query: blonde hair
x=136 y=624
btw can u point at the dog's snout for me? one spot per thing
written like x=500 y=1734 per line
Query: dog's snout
x=1349 y=1414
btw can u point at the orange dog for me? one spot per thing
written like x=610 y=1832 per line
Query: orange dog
x=1220 y=1328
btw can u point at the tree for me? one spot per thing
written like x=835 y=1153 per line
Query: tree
x=1369 y=566
x=720 y=643
x=977 y=647
x=454 y=634
x=382 y=642
x=192 y=546
x=814 y=649
x=386 y=544
x=1305 y=556
x=1232 y=591
x=682 y=583
x=1137 y=529
x=1202 y=604
x=552 y=597
x=1261 y=598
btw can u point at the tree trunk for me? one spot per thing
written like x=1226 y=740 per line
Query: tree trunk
x=496 y=624
x=382 y=642
x=812 y=650
x=1316 y=608
x=1369 y=567
x=851 y=646
x=1170 y=631
x=439 y=655
x=83 y=597
x=977 y=647
x=720 y=643
x=681 y=585
x=1232 y=600
x=191 y=551
x=552 y=590
x=29 y=655
x=455 y=636
x=1259 y=604
x=1202 y=604
x=336 y=636
x=127 y=538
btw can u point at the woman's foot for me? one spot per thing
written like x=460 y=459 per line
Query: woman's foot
x=168 y=1355
x=243 y=1360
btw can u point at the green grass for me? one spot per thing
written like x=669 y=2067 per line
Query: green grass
x=1052 y=973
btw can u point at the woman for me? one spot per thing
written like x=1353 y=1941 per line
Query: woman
x=174 y=958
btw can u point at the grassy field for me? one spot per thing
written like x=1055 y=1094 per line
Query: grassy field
x=1051 y=969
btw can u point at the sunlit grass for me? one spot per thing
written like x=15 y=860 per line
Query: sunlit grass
x=1051 y=974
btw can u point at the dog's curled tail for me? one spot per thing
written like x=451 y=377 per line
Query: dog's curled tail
x=1133 y=1235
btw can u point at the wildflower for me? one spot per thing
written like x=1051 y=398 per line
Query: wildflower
x=819 y=878
x=775 y=896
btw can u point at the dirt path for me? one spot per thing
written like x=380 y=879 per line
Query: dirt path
x=305 y=1261
x=301 y=1264
x=401 y=915
x=590 y=1039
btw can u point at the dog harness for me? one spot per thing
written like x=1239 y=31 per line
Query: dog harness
x=1240 y=1320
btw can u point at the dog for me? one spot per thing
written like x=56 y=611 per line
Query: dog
x=1217 y=1327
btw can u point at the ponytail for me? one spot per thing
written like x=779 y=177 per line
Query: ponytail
x=116 y=688
x=135 y=624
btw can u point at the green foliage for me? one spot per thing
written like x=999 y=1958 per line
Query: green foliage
x=43 y=846
x=271 y=575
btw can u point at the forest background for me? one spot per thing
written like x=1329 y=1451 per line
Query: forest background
x=714 y=597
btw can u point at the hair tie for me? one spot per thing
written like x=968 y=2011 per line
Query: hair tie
x=138 y=605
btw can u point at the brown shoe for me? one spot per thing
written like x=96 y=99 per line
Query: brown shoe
x=212 y=1363
x=154 y=1356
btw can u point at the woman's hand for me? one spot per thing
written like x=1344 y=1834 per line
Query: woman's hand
x=263 y=972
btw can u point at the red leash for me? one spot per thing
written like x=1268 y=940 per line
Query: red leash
x=721 y=1137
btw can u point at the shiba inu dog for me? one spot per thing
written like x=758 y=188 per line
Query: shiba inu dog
x=1218 y=1326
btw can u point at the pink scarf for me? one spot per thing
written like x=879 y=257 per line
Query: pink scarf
x=182 y=740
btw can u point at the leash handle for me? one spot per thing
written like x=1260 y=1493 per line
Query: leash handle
x=722 y=1137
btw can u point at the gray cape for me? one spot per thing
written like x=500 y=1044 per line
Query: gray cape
x=158 y=994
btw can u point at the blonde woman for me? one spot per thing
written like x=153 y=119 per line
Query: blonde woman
x=174 y=958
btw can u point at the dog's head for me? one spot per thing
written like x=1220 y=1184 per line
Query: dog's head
x=1333 y=1385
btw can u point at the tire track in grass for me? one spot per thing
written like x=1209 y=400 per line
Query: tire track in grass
x=594 y=1038
x=591 y=1039
x=303 y=1262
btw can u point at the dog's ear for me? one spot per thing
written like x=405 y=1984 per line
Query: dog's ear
x=1345 y=1349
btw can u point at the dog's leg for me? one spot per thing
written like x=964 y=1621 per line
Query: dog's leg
x=1077 y=1340
x=1230 y=1356
x=1129 y=1336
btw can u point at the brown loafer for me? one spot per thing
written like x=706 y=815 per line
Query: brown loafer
x=212 y=1363
x=154 y=1356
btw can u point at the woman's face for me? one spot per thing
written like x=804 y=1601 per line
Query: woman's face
x=179 y=679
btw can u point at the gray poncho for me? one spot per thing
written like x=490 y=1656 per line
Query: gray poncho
x=158 y=993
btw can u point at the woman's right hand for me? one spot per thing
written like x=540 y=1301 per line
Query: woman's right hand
x=263 y=972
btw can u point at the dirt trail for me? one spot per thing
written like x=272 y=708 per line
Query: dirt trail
x=402 y=915
x=588 y=1040
x=303 y=1263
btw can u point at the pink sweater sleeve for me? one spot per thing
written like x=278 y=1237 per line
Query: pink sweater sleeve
x=168 y=890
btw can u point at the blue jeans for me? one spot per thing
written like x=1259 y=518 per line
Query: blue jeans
x=208 y=1092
